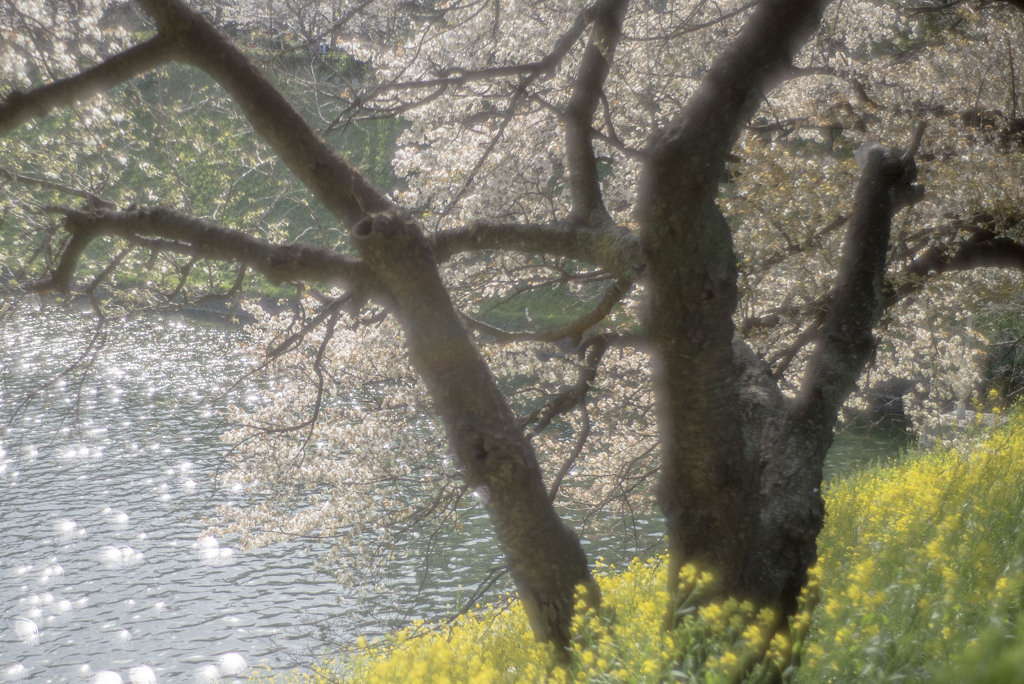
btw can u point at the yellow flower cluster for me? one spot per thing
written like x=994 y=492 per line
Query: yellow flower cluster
x=917 y=560
x=621 y=641
x=922 y=565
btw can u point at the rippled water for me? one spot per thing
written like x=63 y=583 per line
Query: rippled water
x=105 y=476
x=104 y=479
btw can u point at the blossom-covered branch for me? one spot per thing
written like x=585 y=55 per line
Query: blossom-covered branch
x=609 y=246
x=335 y=183
x=579 y=114
x=18 y=107
x=165 y=229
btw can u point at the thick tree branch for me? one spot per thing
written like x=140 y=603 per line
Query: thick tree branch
x=737 y=81
x=992 y=252
x=169 y=230
x=19 y=107
x=579 y=116
x=611 y=247
x=983 y=249
x=186 y=36
x=707 y=473
x=60 y=279
x=544 y=557
x=335 y=183
x=847 y=341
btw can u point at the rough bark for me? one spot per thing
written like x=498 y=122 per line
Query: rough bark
x=544 y=556
x=19 y=107
x=584 y=179
x=164 y=229
x=708 y=489
x=982 y=249
x=607 y=245
x=331 y=179
x=792 y=459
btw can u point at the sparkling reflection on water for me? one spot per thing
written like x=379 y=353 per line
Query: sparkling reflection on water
x=104 y=479
x=105 y=476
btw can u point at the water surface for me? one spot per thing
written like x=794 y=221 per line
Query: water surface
x=105 y=476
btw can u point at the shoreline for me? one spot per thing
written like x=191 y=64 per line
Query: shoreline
x=227 y=310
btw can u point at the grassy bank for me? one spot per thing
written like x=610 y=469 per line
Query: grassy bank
x=920 y=579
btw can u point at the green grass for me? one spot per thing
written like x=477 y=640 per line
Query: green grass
x=920 y=579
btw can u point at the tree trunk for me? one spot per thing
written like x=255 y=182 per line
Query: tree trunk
x=791 y=463
x=709 y=489
x=706 y=485
x=762 y=454
x=544 y=557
